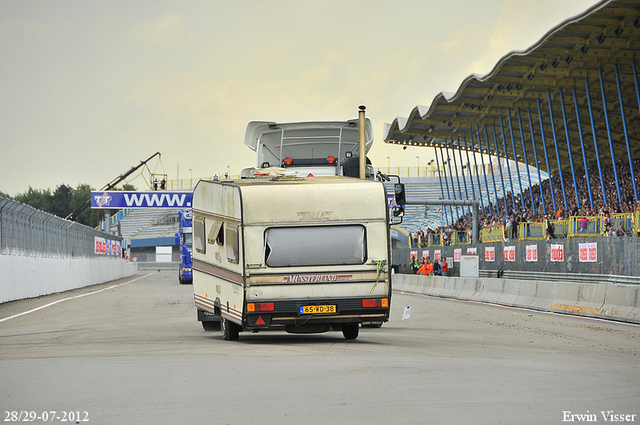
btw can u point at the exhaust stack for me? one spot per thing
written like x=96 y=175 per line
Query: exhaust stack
x=363 y=160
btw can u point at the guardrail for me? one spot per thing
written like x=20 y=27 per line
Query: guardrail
x=460 y=238
x=492 y=234
x=532 y=231
x=434 y=239
x=560 y=228
x=625 y=222
x=574 y=227
x=563 y=277
x=580 y=226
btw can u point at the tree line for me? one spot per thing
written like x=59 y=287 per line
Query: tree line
x=62 y=201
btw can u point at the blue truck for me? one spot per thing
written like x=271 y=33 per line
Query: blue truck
x=184 y=241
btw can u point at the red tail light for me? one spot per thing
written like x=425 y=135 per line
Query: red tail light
x=331 y=159
x=253 y=307
x=288 y=160
x=375 y=302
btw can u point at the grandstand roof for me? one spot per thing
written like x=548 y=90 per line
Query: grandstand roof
x=583 y=50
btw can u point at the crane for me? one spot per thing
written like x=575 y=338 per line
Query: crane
x=74 y=215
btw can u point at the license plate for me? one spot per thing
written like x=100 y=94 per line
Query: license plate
x=317 y=309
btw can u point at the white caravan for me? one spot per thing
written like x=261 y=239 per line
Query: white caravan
x=301 y=254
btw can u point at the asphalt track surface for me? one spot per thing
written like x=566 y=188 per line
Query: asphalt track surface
x=132 y=352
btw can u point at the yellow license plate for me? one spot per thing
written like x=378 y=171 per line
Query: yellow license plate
x=317 y=309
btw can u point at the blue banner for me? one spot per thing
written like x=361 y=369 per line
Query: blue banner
x=160 y=199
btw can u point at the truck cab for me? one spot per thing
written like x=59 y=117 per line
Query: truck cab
x=184 y=241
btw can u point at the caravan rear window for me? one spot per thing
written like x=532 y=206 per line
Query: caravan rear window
x=315 y=246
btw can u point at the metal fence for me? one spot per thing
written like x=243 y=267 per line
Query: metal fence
x=29 y=232
x=602 y=255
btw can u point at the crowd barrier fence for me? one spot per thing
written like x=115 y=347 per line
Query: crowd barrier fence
x=600 y=255
x=574 y=227
x=460 y=238
x=532 y=231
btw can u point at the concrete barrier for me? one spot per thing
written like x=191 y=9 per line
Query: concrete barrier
x=622 y=302
x=545 y=294
x=491 y=290
x=510 y=291
x=603 y=300
x=468 y=288
x=584 y=298
x=28 y=277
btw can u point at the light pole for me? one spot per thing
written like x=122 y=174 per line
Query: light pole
x=190 y=178
x=388 y=165
x=418 y=165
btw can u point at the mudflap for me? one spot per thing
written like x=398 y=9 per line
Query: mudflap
x=205 y=316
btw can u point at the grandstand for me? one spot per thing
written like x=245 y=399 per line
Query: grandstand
x=143 y=229
x=455 y=186
x=567 y=107
x=145 y=223
x=566 y=111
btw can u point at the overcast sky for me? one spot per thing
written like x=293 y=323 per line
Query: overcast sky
x=88 y=89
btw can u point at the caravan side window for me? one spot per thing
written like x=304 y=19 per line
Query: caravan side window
x=216 y=235
x=199 y=235
x=315 y=246
x=233 y=244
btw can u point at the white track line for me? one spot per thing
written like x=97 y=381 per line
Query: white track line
x=72 y=298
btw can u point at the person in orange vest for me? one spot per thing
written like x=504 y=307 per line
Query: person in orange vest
x=426 y=269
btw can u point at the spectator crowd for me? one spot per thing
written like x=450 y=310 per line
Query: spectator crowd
x=536 y=204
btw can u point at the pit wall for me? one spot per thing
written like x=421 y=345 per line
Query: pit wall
x=602 y=300
x=28 y=277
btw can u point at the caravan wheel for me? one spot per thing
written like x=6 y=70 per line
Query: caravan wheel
x=230 y=330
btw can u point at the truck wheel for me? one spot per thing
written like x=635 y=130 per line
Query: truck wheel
x=350 y=330
x=230 y=330
x=211 y=325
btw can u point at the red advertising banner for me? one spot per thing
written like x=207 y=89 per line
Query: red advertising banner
x=588 y=252
x=104 y=246
x=532 y=253
x=490 y=253
x=100 y=245
x=457 y=253
x=436 y=254
x=509 y=253
x=557 y=253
